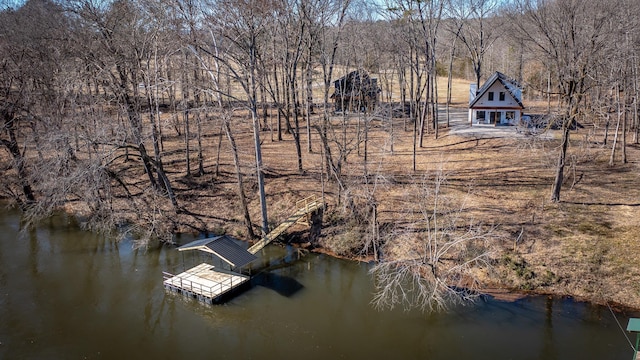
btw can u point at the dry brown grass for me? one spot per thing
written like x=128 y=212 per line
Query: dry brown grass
x=584 y=246
x=459 y=89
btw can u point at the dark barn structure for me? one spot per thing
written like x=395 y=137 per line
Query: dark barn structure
x=356 y=92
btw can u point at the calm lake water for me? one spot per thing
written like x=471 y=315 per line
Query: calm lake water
x=69 y=294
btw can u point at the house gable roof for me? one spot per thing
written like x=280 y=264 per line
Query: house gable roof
x=223 y=247
x=510 y=85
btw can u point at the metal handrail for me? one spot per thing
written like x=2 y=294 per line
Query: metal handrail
x=203 y=289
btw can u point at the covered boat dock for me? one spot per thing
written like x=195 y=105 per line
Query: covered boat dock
x=205 y=281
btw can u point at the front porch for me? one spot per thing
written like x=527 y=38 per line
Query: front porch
x=494 y=117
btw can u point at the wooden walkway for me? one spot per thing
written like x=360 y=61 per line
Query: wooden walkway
x=207 y=283
x=304 y=209
x=203 y=282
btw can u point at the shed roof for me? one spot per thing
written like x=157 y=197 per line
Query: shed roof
x=357 y=82
x=223 y=247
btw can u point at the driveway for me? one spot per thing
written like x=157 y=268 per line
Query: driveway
x=459 y=122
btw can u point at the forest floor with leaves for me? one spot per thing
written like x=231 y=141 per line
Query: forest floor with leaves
x=585 y=246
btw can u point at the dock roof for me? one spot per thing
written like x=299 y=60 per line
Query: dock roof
x=224 y=247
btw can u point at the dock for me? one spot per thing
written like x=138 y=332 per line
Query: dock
x=207 y=282
x=304 y=209
x=204 y=282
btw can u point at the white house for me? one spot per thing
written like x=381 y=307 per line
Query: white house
x=497 y=102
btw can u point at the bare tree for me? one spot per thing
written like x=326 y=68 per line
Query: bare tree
x=240 y=28
x=459 y=14
x=436 y=261
x=477 y=27
x=294 y=27
x=28 y=83
x=239 y=176
x=572 y=37
x=116 y=41
x=419 y=23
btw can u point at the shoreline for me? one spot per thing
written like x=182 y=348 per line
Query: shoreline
x=493 y=290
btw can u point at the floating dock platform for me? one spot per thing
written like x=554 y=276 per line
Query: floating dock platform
x=204 y=282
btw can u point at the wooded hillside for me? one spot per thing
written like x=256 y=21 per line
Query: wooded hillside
x=153 y=117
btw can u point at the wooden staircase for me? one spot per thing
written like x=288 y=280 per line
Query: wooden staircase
x=304 y=209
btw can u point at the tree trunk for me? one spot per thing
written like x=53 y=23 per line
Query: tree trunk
x=624 y=140
x=636 y=93
x=256 y=136
x=615 y=136
x=415 y=139
x=218 y=149
x=277 y=96
x=187 y=135
x=162 y=176
x=185 y=115
x=198 y=102
x=402 y=76
x=450 y=78
x=309 y=102
x=434 y=98
x=154 y=112
x=18 y=160
x=425 y=110
x=615 y=141
x=243 y=199
x=559 y=178
x=606 y=129
x=366 y=142
x=296 y=117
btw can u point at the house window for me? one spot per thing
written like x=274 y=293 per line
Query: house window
x=490 y=95
x=510 y=115
x=480 y=116
x=501 y=95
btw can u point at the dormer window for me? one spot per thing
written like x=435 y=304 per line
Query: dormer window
x=501 y=95
x=490 y=95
